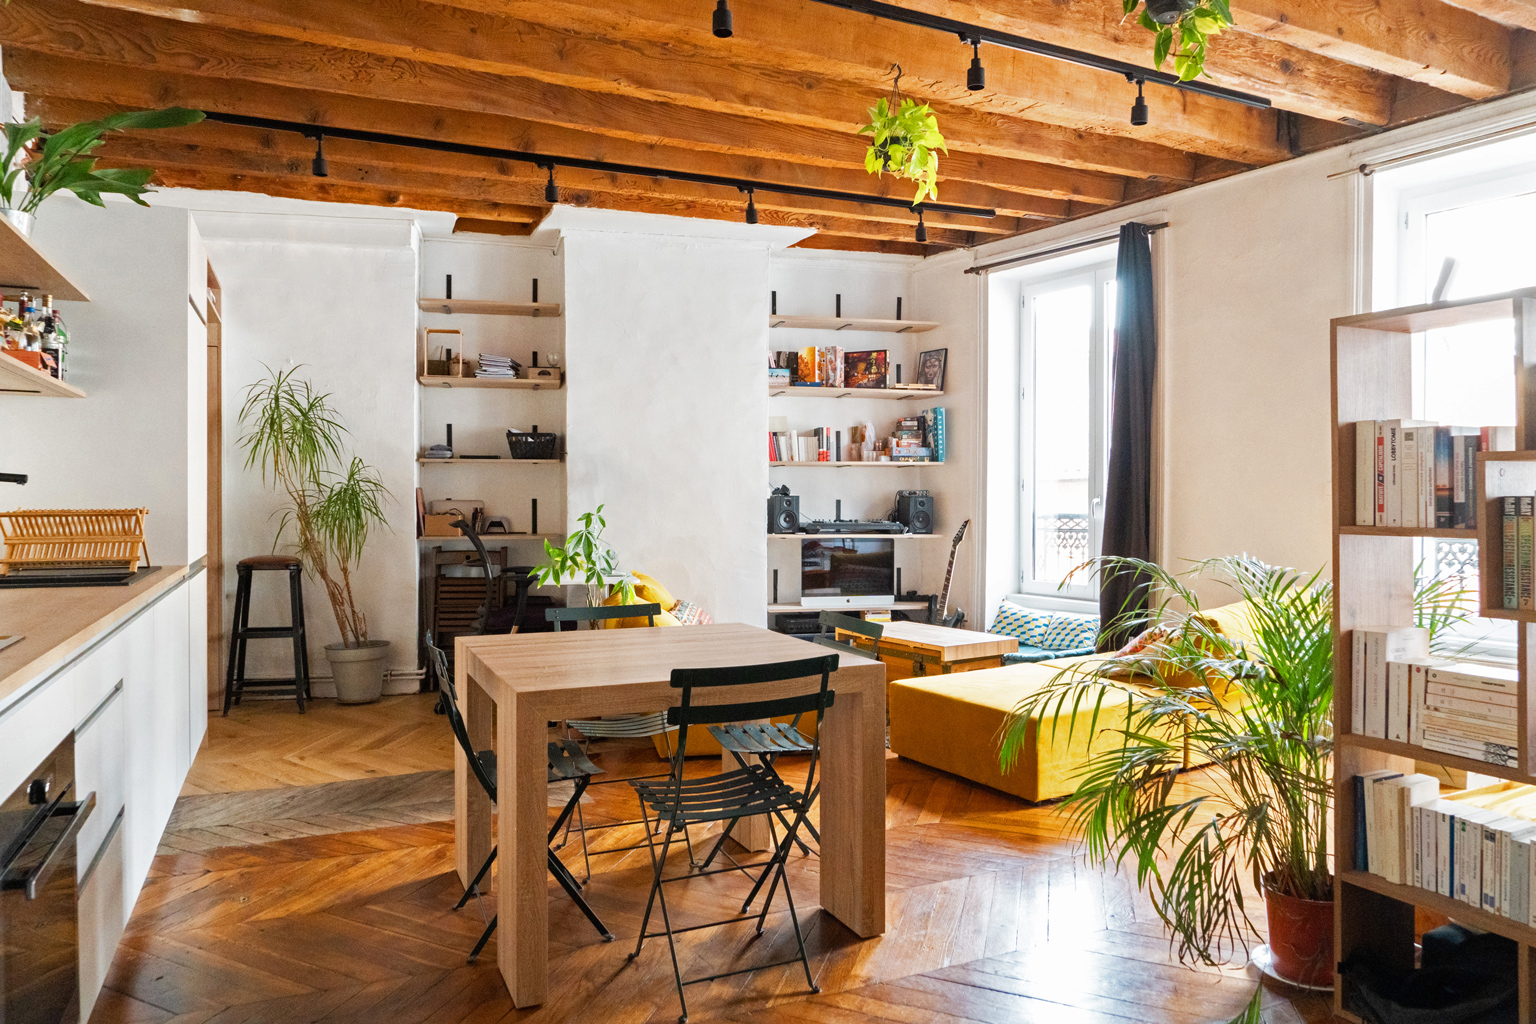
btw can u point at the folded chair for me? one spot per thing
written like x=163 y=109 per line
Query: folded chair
x=753 y=789
x=567 y=763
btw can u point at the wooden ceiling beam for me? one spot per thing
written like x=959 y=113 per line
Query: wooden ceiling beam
x=818 y=70
x=51 y=79
x=845 y=244
x=71 y=29
x=1514 y=13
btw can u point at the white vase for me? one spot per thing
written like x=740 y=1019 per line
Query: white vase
x=20 y=221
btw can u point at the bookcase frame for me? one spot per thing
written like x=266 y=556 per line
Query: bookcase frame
x=1372 y=379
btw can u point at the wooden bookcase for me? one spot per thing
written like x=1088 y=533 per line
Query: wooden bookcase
x=1373 y=570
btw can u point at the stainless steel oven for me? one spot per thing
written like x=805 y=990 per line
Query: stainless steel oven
x=39 y=915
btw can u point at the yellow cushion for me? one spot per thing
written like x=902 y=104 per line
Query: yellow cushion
x=648 y=591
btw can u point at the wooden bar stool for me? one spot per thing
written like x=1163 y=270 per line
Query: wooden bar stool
x=235 y=682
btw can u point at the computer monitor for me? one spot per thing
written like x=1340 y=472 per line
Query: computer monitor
x=847 y=572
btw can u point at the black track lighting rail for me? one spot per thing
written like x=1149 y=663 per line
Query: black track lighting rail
x=973 y=34
x=544 y=161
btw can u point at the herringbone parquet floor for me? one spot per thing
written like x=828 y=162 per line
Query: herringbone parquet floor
x=993 y=917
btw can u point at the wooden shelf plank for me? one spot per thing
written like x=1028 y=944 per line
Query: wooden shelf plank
x=857 y=536
x=552 y=384
x=24 y=269
x=832 y=323
x=483 y=307
x=1438 y=315
x=1406 y=531
x=898 y=606
x=894 y=394
x=17 y=378
x=492 y=539
x=1454 y=909
x=871 y=465
x=501 y=460
x=1513 y=772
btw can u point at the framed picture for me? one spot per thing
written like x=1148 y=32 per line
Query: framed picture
x=864 y=369
x=930 y=368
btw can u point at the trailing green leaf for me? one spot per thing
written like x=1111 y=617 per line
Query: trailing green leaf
x=906 y=143
x=586 y=559
x=1187 y=39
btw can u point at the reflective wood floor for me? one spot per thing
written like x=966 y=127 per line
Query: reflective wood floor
x=993 y=917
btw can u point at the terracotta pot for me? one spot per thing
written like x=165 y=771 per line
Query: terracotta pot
x=1300 y=937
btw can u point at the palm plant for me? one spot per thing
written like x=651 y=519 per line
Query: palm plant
x=292 y=432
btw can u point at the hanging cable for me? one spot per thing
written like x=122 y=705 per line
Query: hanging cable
x=722 y=20
x=922 y=229
x=551 y=193
x=1139 y=108
x=318 y=166
x=976 y=77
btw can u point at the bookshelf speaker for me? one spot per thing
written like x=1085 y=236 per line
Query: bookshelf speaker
x=783 y=513
x=914 y=510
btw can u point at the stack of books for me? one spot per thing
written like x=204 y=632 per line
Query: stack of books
x=1518 y=530
x=1473 y=846
x=934 y=427
x=1421 y=475
x=817 y=445
x=909 y=441
x=497 y=366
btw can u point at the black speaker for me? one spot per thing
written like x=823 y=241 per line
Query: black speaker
x=783 y=513
x=914 y=510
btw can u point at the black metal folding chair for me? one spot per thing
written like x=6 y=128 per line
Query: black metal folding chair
x=753 y=789
x=567 y=763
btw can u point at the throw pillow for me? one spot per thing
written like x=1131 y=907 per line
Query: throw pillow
x=1068 y=632
x=690 y=614
x=1029 y=626
x=648 y=591
x=1147 y=651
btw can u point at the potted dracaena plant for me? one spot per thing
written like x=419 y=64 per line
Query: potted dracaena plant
x=586 y=559
x=1257 y=712
x=905 y=141
x=64 y=162
x=1181 y=29
x=333 y=504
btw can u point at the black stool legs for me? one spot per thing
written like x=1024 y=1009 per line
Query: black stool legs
x=235 y=681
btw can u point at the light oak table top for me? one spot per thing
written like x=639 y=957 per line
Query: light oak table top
x=948 y=644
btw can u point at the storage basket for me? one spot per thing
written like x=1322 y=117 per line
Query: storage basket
x=75 y=538
x=532 y=446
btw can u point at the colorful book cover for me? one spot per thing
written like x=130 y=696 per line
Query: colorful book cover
x=865 y=369
x=1443 y=491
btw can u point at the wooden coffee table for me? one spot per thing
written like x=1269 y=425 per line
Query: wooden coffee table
x=911 y=649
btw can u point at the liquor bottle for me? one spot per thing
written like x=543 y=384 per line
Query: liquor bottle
x=52 y=337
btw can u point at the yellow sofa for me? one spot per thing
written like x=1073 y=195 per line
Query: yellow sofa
x=954 y=722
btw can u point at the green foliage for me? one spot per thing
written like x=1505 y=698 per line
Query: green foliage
x=65 y=161
x=905 y=142
x=585 y=559
x=1187 y=38
x=292 y=433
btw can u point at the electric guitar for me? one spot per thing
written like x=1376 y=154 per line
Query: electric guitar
x=941 y=617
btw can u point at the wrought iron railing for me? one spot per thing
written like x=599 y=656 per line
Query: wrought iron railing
x=1061 y=544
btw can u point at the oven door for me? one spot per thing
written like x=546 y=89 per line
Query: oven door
x=39 y=916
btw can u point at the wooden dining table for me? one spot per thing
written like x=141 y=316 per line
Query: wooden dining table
x=533 y=679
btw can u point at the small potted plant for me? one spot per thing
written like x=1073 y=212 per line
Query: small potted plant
x=586 y=559
x=293 y=433
x=905 y=141
x=1182 y=28
x=64 y=162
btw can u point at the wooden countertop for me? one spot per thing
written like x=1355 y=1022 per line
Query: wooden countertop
x=58 y=621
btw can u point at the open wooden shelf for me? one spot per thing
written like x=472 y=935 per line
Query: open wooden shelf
x=1464 y=913
x=502 y=460
x=896 y=606
x=24 y=269
x=1514 y=773
x=832 y=465
x=894 y=394
x=483 y=307
x=492 y=539
x=1440 y=315
x=517 y=383
x=17 y=378
x=1406 y=531
x=835 y=323
x=857 y=536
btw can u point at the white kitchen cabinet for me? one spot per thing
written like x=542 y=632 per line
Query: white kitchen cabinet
x=101 y=755
x=197 y=665
x=103 y=913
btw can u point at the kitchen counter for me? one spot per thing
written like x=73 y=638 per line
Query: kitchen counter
x=58 y=621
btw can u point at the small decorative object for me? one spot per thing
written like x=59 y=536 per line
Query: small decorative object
x=64 y=162
x=532 y=444
x=905 y=141
x=586 y=559
x=1182 y=28
x=445 y=365
x=930 y=369
x=778 y=375
x=865 y=369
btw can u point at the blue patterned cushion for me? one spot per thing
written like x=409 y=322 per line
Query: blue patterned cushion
x=1069 y=631
x=1029 y=626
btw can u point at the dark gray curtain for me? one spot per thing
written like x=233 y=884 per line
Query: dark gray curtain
x=1128 y=496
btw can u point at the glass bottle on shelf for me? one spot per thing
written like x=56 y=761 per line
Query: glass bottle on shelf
x=53 y=338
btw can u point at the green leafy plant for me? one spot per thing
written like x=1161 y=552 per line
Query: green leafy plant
x=905 y=141
x=64 y=162
x=292 y=433
x=1186 y=37
x=585 y=558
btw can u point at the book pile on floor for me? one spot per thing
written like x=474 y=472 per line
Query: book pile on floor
x=1473 y=846
x=504 y=367
x=1453 y=707
x=1421 y=475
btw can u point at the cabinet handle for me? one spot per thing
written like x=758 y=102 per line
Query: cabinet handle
x=34 y=880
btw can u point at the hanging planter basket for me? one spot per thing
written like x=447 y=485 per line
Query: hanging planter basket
x=905 y=141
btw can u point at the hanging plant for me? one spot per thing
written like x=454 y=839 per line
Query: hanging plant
x=906 y=141
x=1183 y=28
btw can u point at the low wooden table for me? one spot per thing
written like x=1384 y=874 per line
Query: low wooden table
x=911 y=649
x=536 y=678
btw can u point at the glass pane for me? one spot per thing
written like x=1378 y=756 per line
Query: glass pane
x=1490 y=242
x=1063 y=429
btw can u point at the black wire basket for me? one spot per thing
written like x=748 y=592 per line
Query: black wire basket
x=533 y=446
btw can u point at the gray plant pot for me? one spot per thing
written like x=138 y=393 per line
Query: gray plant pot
x=1166 y=12
x=358 y=671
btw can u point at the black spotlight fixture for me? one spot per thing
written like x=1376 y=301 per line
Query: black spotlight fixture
x=317 y=166
x=751 y=206
x=1139 y=108
x=551 y=193
x=922 y=229
x=722 y=20
x=976 y=77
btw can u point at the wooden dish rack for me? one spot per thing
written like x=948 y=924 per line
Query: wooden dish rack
x=73 y=539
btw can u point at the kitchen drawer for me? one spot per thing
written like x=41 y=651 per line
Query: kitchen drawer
x=103 y=912
x=32 y=725
x=101 y=766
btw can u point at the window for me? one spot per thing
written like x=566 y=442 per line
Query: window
x=1066 y=331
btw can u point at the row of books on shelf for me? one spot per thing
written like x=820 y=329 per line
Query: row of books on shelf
x=920 y=438
x=1517 y=522
x=1417 y=474
x=831 y=367
x=1398 y=692
x=1474 y=846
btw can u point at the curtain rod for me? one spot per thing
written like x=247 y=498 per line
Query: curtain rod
x=1060 y=250
x=1368 y=169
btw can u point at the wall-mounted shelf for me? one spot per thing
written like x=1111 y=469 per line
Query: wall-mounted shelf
x=837 y=323
x=1400 y=749
x=518 y=383
x=871 y=465
x=486 y=308
x=502 y=461
x=17 y=378
x=1407 y=531
x=855 y=536
x=492 y=539
x=895 y=394
x=898 y=606
x=24 y=269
